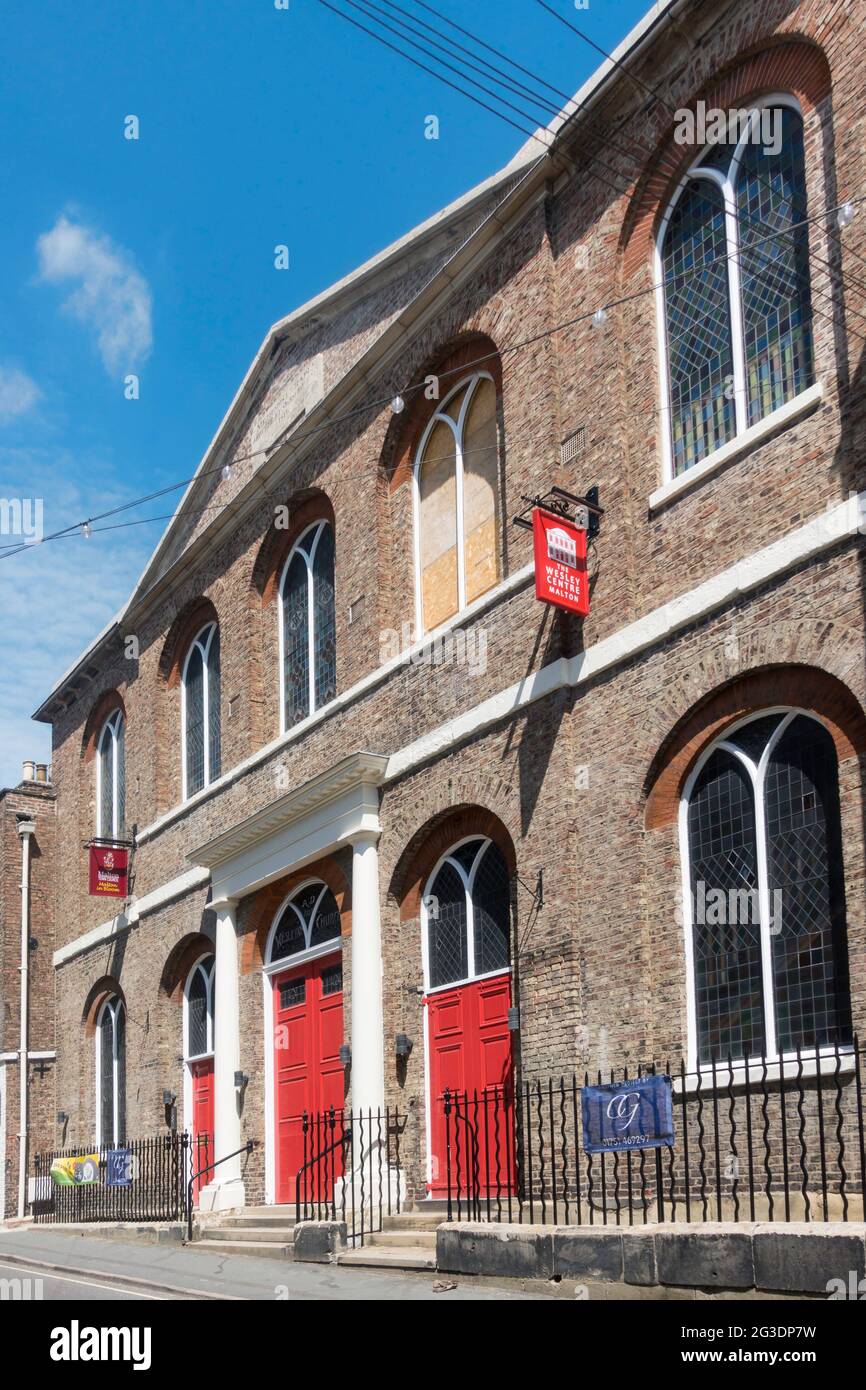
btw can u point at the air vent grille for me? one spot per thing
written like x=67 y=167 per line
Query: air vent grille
x=572 y=445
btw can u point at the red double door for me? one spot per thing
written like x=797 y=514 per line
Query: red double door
x=308 y=1076
x=202 y=1119
x=470 y=1057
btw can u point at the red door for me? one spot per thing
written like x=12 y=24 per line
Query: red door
x=308 y=1076
x=202 y=1119
x=470 y=1056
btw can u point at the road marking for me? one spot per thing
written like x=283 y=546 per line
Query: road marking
x=93 y=1283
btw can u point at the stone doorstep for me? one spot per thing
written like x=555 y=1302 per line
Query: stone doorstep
x=797 y=1257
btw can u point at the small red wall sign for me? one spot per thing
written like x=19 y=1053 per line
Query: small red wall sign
x=108 y=871
x=560 y=562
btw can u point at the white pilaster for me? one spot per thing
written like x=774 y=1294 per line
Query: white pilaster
x=368 y=1060
x=225 y=1188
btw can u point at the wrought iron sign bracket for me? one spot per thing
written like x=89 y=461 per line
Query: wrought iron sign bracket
x=564 y=504
x=536 y=894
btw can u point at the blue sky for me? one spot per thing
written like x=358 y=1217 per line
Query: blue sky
x=258 y=126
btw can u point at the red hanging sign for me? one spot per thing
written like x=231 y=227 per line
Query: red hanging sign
x=109 y=869
x=560 y=562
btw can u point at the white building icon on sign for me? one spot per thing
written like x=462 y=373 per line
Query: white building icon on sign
x=561 y=547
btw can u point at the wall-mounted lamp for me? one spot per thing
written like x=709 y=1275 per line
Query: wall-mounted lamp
x=514 y=1019
x=241 y=1080
x=62 y=1118
x=402 y=1045
x=168 y=1098
x=345 y=1055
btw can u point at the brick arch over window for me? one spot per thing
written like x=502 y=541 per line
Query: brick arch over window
x=805 y=687
x=795 y=66
x=304 y=508
x=434 y=839
x=105 y=988
x=186 y=626
x=105 y=706
x=180 y=961
x=258 y=917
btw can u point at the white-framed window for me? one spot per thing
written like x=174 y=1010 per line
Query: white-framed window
x=308 y=655
x=198 y=1002
x=111 y=1072
x=456 y=503
x=466 y=915
x=764 y=893
x=733 y=294
x=111 y=778
x=200 y=711
x=307 y=923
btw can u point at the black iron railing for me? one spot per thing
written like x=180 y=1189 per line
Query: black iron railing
x=193 y=1182
x=351 y=1169
x=140 y=1180
x=758 y=1140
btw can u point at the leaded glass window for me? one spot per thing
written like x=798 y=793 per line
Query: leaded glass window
x=456 y=503
x=308 y=625
x=201 y=711
x=734 y=259
x=767 y=900
x=199 y=1009
x=111 y=779
x=467 y=915
x=111 y=1073
x=310 y=918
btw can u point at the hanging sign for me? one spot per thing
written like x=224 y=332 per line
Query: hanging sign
x=560 y=562
x=628 y=1115
x=108 y=871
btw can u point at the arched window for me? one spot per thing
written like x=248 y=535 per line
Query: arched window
x=456 y=504
x=201 y=711
x=733 y=271
x=466 y=915
x=310 y=919
x=765 y=906
x=199 y=1012
x=111 y=1073
x=308 y=625
x=111 y=779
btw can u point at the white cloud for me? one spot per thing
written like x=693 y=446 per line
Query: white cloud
x=113 y=297
x=18 y=392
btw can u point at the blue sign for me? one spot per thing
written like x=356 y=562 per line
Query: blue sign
x=628 y=1115
x=118 y=1168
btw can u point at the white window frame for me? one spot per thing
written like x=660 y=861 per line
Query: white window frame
x=111 y=729
x=111 y=1007
x=309 y=553
x=325 y=948
x=727 y=185
x=206 y=966
x=468 y=881
x=202 y=641
x=457 y=429
x=757 y=777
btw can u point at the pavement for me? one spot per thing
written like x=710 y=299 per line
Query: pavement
x=84 y=1267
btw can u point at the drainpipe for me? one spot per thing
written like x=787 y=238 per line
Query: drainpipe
x=26 y=828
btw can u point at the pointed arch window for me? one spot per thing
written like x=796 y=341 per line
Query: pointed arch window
x=765 y=903
x=201 y=711
x=111 y=778
x=466 y=915
x=456 y=503
x=308 y=625
x=111 y=1073
x=734 y=297
x=199 y=1017
x=310 y=919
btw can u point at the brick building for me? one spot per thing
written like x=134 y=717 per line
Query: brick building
x=341 y=819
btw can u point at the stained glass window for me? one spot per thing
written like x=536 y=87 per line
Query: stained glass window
x=457 y=505
x=310 y=918
x=774 y=898
x=111 y=1072
x=201 y=701
x=309 y=625
x=199 y=998
x=111 y=778
x=736 y=235
x=468 y=914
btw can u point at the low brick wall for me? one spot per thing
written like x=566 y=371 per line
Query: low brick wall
x=797 y=1258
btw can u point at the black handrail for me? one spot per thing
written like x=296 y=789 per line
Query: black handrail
x=247 y=1149
x=344 y=1139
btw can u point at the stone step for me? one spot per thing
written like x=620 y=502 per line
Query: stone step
x=412 y=1221
x=262 y=1216
x=421 y=1239
x=266 y=1250
x=282 y=1235
x=390 y=1257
